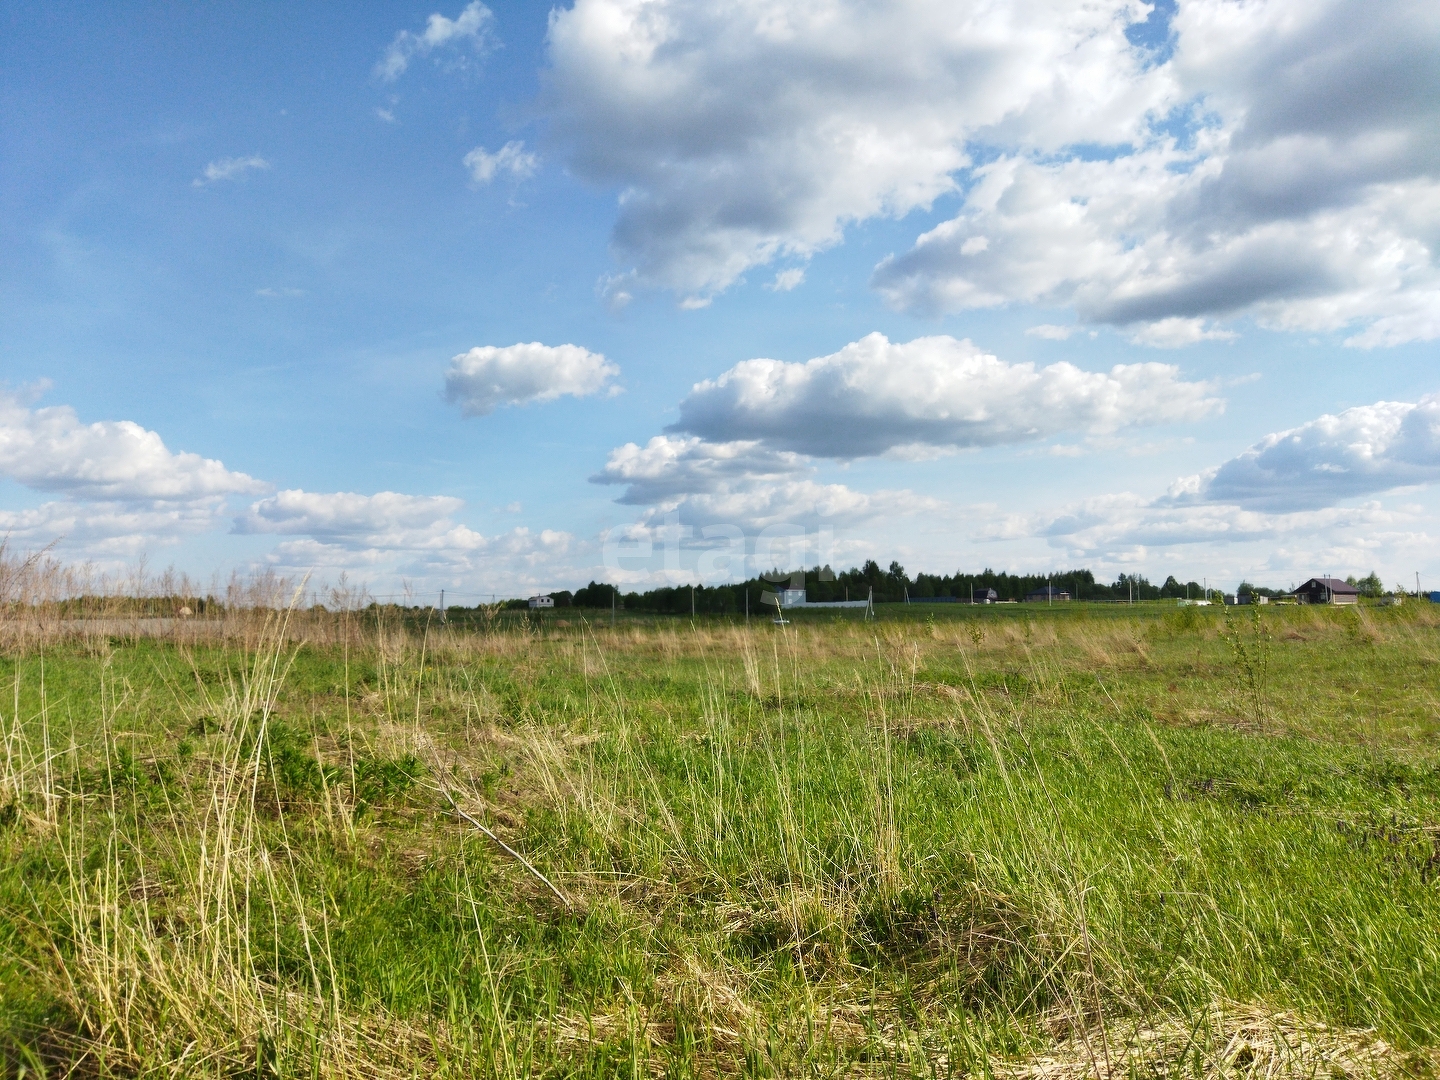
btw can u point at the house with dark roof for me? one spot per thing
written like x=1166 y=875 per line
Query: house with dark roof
x=983 y=596
x=1327 y=590
x=1047 y=594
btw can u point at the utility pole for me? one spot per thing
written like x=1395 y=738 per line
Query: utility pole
x=442 y=605
x=747 y=605
x=692 y=603
x=613 y=591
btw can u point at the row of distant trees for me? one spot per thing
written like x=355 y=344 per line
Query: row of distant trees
x=889 y=586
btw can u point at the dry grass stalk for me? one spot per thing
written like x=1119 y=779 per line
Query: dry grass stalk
x=1230 y=1042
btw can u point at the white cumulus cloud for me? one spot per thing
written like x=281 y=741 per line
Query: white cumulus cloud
x=50 y=449
x=876 y=396
x=805 y=503
x=230 y=169
x=344 y=514
x=741 y=132
x=1115 y=528
x=123 y=491
x=745 y=447
x=1287 y=487
x=1277 y=160
x=1361 y=451
x=1173 y=333
x=739 y=483
x=1051 y=332
x=512 y=158
x=1292 y=174
x=106 y=530
x=486 y=377
x=471 y=25
x=670 y=466
x=786 y=280
x=409 y=537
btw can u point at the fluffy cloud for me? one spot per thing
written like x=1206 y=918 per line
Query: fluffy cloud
x=745 y=131
x=123 y=490
x=410 y=536
x=669 y=466
x=1280 y=161
x=125 y=494
x=49 y=449
x=739 y=483
x=1108 y=523
x=744 y=447
x=346 y=515
x=1293 y=175
x=518 y=558
x=230 y=169
x=471 y=25
x=1129 y=530
x=875 y=396
x=512 y=158
x=486 y=377
x=1363 y=451
x=1051 y=332
x=1173 y=333
x=1134 y=242
x=108 y=530
x=1286 y=487
x=787 y=280
x=803 y=503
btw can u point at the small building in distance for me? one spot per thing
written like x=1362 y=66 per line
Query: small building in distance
x=1046 y=594
x=1327 y=590
x=983 y=596
x=542 y=601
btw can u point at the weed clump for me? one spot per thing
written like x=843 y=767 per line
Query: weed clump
x=1250 y=648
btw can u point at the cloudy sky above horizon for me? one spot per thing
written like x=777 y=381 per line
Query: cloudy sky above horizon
x=474 y=296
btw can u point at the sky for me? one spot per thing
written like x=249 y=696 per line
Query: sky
x=499 y=298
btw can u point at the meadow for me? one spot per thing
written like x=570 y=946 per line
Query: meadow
x=1093 y=840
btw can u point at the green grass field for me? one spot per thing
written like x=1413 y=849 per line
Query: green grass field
x=1093 y=840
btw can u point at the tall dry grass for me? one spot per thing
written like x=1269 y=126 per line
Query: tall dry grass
x=768 y=794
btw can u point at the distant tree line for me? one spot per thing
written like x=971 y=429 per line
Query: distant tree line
x=890 y=585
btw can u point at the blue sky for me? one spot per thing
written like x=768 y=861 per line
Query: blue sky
x=262 y=238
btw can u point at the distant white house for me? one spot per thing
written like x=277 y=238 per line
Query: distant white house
x=542 y=601
x=795 y=598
